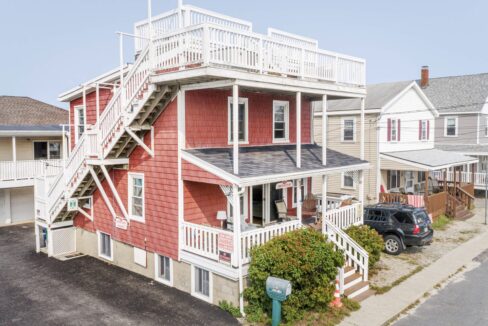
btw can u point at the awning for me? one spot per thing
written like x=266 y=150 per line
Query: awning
x=424 y=160
x=266 y=164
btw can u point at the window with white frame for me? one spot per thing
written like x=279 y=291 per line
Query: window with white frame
x=348 y=180
x=47 y=150
x=242 y=120
x=136 y=196
x=105 y=245
x=348 y=129
x=423 y=130
x=201 y=283
x=230 y=209
x=394 y=130
x=79 y=121
x=450 y=124
x=281 y=116
x=393 y=179
x=164 y=266
x=303 y=187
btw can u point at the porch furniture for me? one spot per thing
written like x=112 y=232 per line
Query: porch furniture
x=309 y=206
x=222 y=216
x=282 y=211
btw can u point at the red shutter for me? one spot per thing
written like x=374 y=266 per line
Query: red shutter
x=388 y=132
x=420 y=129
x=399 y=131
x=428 y=129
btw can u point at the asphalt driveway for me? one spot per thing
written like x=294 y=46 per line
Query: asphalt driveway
x=36 y=290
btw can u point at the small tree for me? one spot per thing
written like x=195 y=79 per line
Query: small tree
x=304 y=258
x=369 y=239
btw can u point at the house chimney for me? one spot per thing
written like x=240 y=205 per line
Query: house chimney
x=424 y=76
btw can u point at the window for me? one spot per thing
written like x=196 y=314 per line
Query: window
x=202 y=286
x=403 y=218
x=243 y=117
x=375 y=215
x=79 y=121
x=164 y=266
x=281 y=118
x=230 y=209
x=348 y=130
x=424 y=130
x=105 y=245
x=450 y=124
x=393 y=179
x=393 y=130
x=303 y=187
x=420 y=176
x=486 y=127
x=136 y=197
x=47 y=150
x=409 y=180
x=348 y=180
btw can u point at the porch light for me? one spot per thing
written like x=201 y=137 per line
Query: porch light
x=222 y=216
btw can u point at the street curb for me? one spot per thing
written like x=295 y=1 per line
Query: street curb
x=381 y=309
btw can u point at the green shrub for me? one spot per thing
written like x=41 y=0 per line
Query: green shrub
x=303 y=257
x=230 y=308
x=369 y=239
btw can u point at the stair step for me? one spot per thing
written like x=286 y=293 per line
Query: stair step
x=356 y=290
x=362 y=296
x=352 y=280
x=348 y=271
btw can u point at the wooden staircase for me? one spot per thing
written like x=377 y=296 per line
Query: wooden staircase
x=354 y=286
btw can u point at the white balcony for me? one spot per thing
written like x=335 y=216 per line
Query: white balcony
x=22 y=173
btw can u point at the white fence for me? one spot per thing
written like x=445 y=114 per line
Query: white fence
x=62 y=241
x=28 y=169
x=464 y=177
x=344 y=217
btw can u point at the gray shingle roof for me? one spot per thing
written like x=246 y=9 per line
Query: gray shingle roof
x=471 y=149
x=25 y=111
x=272 y=160
x=377 y=96
x=457 y=94
x=431 y=158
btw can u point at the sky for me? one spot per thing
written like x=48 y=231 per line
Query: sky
x=50 y=46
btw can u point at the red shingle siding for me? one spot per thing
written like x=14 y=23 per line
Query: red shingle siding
x=192 y=172
x=91 y=108
x=202 y=201
x=207 y=120
x=159 y=233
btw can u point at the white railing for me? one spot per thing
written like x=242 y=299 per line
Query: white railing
x=202 y=240
x=464 y=177
x=258 y=237
x=344 y=217
x=28 y=169
x=354 y=254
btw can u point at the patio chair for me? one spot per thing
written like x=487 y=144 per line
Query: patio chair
x=309 y=206
x=282 y=210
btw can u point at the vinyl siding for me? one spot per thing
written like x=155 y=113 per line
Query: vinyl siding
x=25 y=147
x=467 y=126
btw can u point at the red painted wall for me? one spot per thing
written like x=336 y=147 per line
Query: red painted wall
x=91 y=109
x=192 y=172
x=207 y=118
x=202 y=201
x=160 y=231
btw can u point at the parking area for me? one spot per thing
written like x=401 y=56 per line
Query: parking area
x=36 y=290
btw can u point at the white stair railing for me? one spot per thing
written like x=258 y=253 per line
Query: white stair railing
x=344 y=217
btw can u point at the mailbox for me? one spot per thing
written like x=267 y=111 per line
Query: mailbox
x=277 y=288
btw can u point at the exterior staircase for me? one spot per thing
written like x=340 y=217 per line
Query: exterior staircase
x=354 y=285
x=127 y=118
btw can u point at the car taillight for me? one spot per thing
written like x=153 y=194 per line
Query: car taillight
x=416 y=230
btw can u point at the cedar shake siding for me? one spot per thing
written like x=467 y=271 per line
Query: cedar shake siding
x=202 y=202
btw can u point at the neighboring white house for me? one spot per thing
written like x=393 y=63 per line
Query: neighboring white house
x=30 y=140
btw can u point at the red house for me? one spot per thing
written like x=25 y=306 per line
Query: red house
x=155 y=179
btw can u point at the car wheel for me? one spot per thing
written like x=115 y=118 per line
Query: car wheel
x=393 y=245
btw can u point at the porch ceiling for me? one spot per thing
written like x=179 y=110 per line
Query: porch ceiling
x=264 y=164
x=427 y=159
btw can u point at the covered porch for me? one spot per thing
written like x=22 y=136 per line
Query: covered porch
x=417 y=178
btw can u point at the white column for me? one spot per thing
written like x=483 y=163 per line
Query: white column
x=150 y=24
x=361 y=189
x=97 y=94
x=299 y=128
x=180 y=13
x=235 y=127
x=299 y=200
x=14 y=154
x=324 y=201
x=181 y=145
x=324 y=130
x=64 y=150
x=362 y=128
x=236 y=213
x=121 y=63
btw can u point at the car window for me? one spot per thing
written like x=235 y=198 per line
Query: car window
x=376 y=215
x=403 y=217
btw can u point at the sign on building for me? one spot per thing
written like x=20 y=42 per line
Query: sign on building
x=226 y=247
x=72 y=204
x=121 y=223
x=284 y=185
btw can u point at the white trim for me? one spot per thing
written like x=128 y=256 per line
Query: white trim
x=210 y=284
x=48 y=151
x=458 y=113
x=421 y=94
x=304 y=183
x=157 y=270
x=456 y=125
x=244 y=101
x=76 y=109
x=131 y=177
x=99 y=235
x=343 y=119
x=286 y=104
x=425 y=167
x=354 y=184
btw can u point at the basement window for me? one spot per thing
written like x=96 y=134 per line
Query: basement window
x=164 y=266
x=105 y=246
x=202 y=283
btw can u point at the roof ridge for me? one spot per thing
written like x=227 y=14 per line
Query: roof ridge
x=458 y=76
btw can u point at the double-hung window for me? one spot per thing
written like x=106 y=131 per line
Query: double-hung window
x=79 y=121
x=202 y=286
x=393 y=179
x=348 y=130
x=303 y=188
x=105 y=245
x=136 y=196
x=281 y=116
x=450 y=126
x=242 y=120
x=47 y=150
x=394 y=130
x=348 y=180
x=163 y=269
x=423 y=130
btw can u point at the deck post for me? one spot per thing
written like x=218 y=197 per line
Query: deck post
x=299 y=128
x=473 y=168
x=324 y=201
x=299 y=200
x=362 y=128
x=235 y=127
x=324 y=130
x=445 y=179
x=14 y=154
x=426 y=195
x=236 y=213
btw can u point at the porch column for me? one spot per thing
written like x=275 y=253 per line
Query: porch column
x=97 y=94
x=426 y=195
x=324 y=130
x=362 y=128
x=473 y=170
x=235 y=127
x=361 y=186
x=14 y=154
x=299 y=128
x=324 y=201
x=299 y=200
x=236 y=213
x=445 y=179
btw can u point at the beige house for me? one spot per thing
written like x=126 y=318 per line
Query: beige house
x=399 y=142
x=31 y=138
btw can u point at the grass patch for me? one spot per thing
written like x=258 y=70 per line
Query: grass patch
x=332 y=316
x=230 y=308
x=441 y=223
x=386 y=288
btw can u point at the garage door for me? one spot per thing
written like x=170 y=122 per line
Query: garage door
x=22 y=204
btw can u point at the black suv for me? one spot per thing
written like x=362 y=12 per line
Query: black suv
x=400 y=225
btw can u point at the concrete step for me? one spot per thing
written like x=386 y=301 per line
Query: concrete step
x=366 y=294
x=352 y=280
x=356 y=290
